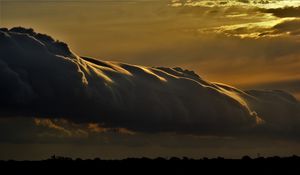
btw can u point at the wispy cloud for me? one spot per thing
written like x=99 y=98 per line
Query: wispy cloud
x=271 y=28
x=266 y=4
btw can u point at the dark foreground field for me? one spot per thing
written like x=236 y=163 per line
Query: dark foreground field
x=246 y=165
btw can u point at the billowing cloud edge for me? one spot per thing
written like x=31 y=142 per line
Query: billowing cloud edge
x=43 y=78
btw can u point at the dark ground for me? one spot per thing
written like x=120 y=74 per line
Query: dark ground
x=246 y=165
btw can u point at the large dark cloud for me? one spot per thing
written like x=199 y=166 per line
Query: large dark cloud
x=42 y=77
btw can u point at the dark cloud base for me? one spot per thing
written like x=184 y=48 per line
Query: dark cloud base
x=284 y=12
x=43 y=78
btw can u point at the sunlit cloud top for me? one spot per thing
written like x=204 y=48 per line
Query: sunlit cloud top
x=267 y=4
x=272 y=28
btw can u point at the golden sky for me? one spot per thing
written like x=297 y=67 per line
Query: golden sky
x=243 y=43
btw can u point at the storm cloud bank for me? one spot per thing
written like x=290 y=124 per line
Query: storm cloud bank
x=41 y=77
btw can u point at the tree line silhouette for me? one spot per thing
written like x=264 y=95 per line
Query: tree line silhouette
x=245 y=165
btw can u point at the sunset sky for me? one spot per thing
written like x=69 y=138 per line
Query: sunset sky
x=242 y=43
x=249 y=44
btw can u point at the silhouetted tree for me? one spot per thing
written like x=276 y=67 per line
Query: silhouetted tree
x=246 y=158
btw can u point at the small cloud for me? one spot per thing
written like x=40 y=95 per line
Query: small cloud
x=95 y=127
x=283 y=12
x=63 y=127
x=256 y=30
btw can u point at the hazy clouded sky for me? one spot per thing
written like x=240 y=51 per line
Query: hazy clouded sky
x=245 y=43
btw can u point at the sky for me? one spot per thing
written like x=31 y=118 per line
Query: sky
x=242 y=43
x=249 y=44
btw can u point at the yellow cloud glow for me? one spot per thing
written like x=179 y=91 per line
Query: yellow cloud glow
x=266 y=4
x=250 y=30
